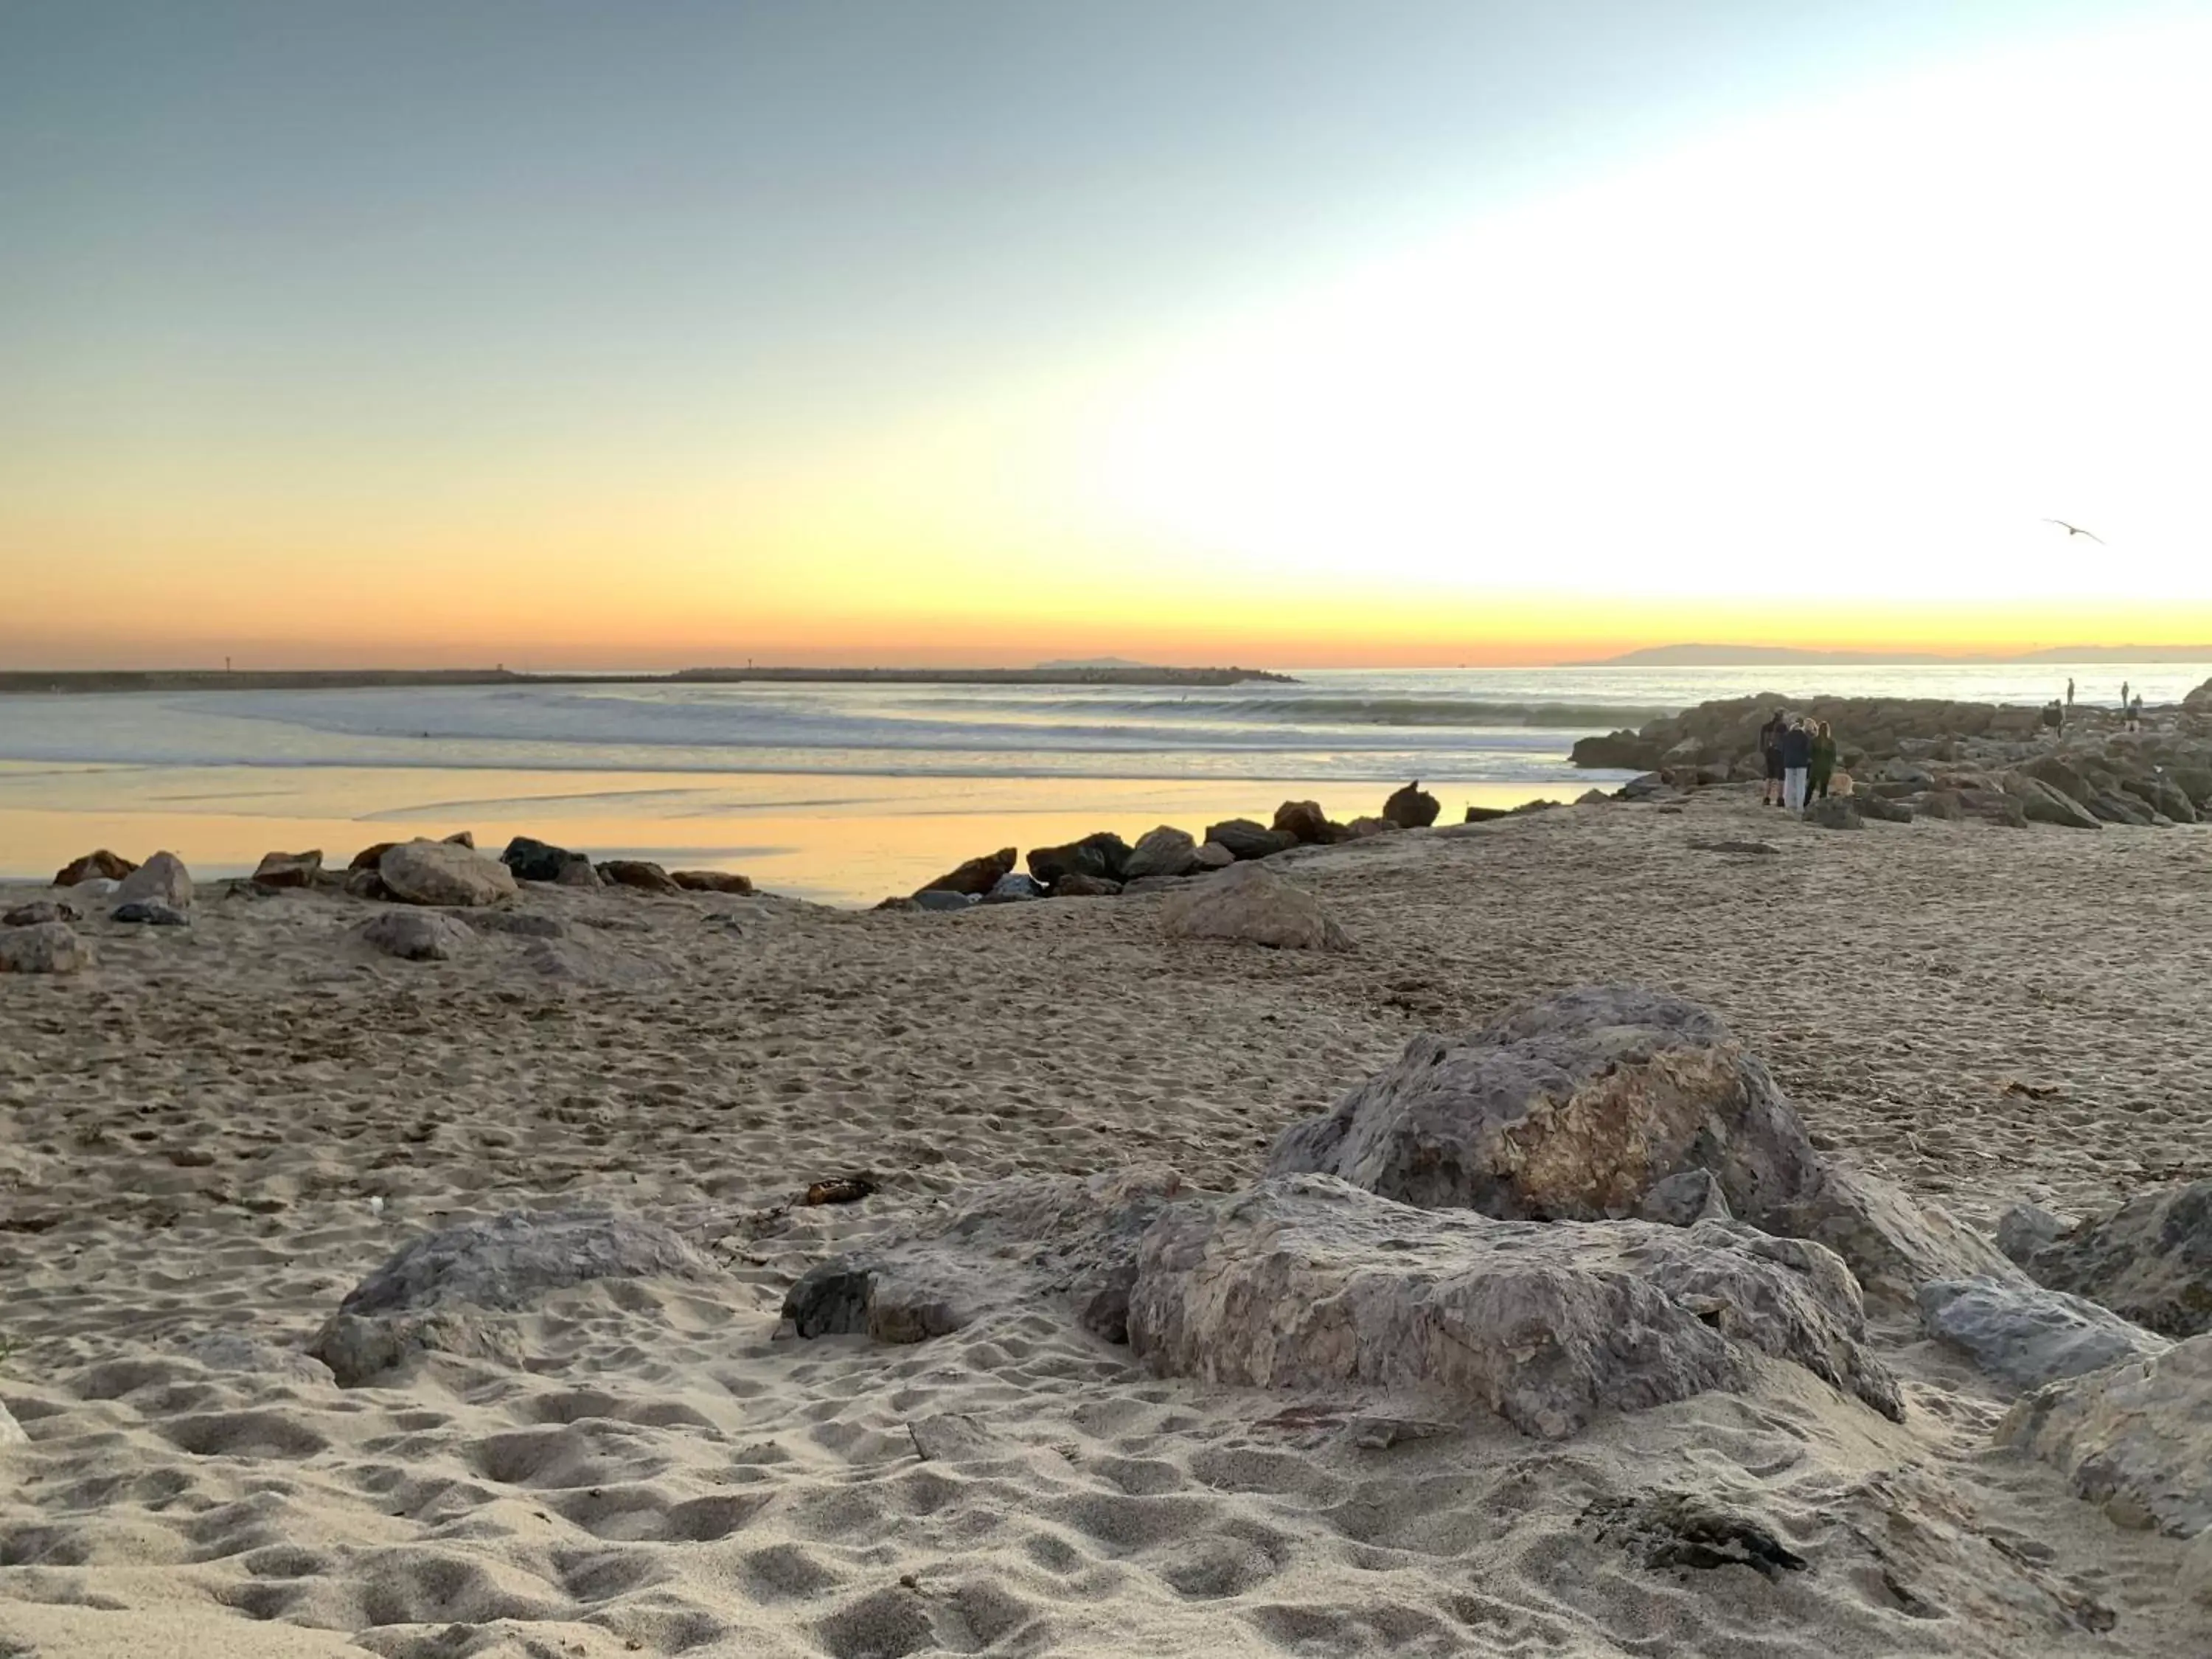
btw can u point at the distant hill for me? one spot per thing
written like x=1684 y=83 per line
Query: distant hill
x=1756 y=656
x=1089 y=662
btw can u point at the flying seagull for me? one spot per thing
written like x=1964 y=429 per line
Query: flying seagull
x=2076 y=530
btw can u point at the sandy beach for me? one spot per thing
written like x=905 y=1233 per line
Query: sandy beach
x=219 y=1129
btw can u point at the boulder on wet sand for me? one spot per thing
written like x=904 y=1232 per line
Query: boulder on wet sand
x=640 y=875
x=1076 y=885
x=439 y=872
x=288 y=869
x=977 y=876
x=150 y=913
x=2026 y=1336
x=1246 y=839
x=1412 y=807
x=1309 y=1283
x=712 y=881
x=43 y=947
x=1302 y=820
x=102 y=865
x=1253 y=905
x=1834 y=813
x=38 y=910
x=1165 y=851
x=372 y=855
x=430 y=1294
x=2149 y=1260
x=1103 y=854
x=162 y=879
x=535 y=861
x=2135 y=1437
x=943 y=898
x=416 y=935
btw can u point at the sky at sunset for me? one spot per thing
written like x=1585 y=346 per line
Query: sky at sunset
x=1271 y=331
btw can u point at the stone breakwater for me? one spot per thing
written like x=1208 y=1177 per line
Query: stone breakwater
x=1944 y=759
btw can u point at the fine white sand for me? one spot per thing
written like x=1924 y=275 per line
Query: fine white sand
x=190 y=1135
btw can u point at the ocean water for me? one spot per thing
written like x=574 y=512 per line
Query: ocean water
x=844 y=792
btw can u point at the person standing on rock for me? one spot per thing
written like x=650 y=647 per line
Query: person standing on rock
x=1824 y=761
x=2123 y=696
x=2069 y=690
x=1796 y=764
x=1770 y=751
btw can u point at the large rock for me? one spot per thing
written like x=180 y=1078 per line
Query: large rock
x=1252 y=905
x=373 y=854
x=535 y=861
x=100 y=866
x=640 y=875
x=416 y=935
x=439 y=872
x=1893 y=1244
x=38 y=910
x=943 y=898
x=1573 y=1107
x=2199 y=701
x=1412 y=807
x=1014 y=888
x=2026 y=1336
x=2162 y=795
x=150 y=913
x=1835 y=813
x=1104 y=855
x=1302 y=820
x=2135 y=1437
x=1307 y=1283
x=43 y=947
x=1165 y=851
x=2151 y=1259
x=288 y=869
x=712 y=881
x=1076 y=885
x=2024 y=1229
x=2040 y=803
x=1247 y=840
x=1212 y=855
x=977 y=876
x=427 y=1294
x=162 y=879
x=1367 y=828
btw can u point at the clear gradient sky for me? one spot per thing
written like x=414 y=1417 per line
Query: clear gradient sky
x=1422 y=331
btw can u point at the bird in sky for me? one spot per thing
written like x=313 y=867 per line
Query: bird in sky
x=2076 y=530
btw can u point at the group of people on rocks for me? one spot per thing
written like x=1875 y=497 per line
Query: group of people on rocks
x=1801 y=760
x=2055 y=717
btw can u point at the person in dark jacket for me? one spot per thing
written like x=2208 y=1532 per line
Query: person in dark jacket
x=1824 y=761
x=1770 y=751
x=1796 y=764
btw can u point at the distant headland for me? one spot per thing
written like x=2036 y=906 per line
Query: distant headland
x=1757 y=656
x=25 y=681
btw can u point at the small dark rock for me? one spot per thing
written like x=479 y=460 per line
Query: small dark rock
x=150 y=913
x=1412 y=807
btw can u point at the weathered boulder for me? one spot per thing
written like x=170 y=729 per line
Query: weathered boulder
x=578 y=872
x=43 y=947
x=1685 y=1199
x=1879 y=807
x=1246 y=839
x=1309 y=1283
x=2162 y=795
x=2135 y=1437
x=1836 y=811
x=2151 y=1259
x=373 y=854
x=1994 y=807
x=162 y=879
x=1364 y=828
x=712 y=881
x=462 y=838
x=640 y=875
x=1412 y=807
x=1076 y=885
x=424 y=1296
x=1252 y=905
x=38 y=910
x=1165 y=851
x=1302 y=820
x=977 y=876
x=1212 y=855
x=1893 y=1244
x=288 y=869
x=229 y=1351
x=2026 y=1336
x=365 y=884
x=439 y=872
x=2040 y=803
x=1592 y=797
x=1619 y=751
x=1014 y=888
x=101 y=866
x=2024 y=1229
x=1572 y=1107
x=416 y=935
x=2199 y=701
x=150 y=913
x=2116 y=806
x=529 y=859
x=943 y=898
x=1104 y=855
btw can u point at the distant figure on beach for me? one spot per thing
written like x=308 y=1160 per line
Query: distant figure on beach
x=2133 y=713
x=1796 y=764
x=2069 y=690
x=2123 y=696
x=2054 y=716
x=1769 y=749
x=1824 y=760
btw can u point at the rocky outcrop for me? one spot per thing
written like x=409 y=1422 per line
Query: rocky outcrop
x=1212 y=855
x=2135 y=1437
x=1165 y=851
x=1895 y=1243
x=2026 y=1336
x=43 y=947
x=416 y=935
x=977 y=876
x=2151 y=1259
x=430 y=1294
x=288 y=869
x=2199 y=701
x=102 y=865
x=1252 y=905
x=162 y=879
x=712 y=881
x=1412 y=807
x=2039 y=803
x=1245 y=839
x=38 y=910
x=1302 y=820
x=1103 y=854
x=533 y=860
x=439 y=872
x=640 y=875
x=1309 y=1283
